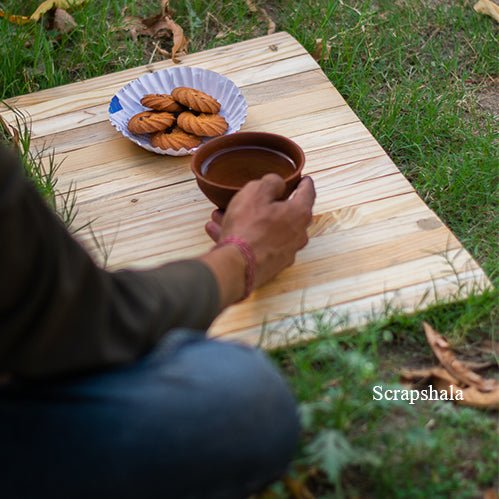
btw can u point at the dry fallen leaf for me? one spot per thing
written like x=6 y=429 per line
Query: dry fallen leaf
x=180 y=42
x=158 y=26
x=322 y=50
x=483 y=400
x=15 y=19
x=455 y=367
x=154 y=27
x=264 y=15
x=63 y=22
x=53 y=4
x=488 y=8
x=453 y=375
x=440 y=379
x=437 y=372
x=43 y=8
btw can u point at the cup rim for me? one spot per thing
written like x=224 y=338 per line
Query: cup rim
x=212 y=142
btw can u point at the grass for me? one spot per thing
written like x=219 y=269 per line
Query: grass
x=354 y=446
x=412 y=71
x=43 y=173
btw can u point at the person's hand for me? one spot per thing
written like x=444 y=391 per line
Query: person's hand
x=275 y=230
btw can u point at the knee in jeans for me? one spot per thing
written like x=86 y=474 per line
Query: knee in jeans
x=257 y=389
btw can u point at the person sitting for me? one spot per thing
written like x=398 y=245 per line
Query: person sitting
x=109 y=385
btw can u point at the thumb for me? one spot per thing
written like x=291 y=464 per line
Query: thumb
x=213 y=230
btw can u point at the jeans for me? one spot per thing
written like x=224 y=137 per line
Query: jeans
x=195 y=418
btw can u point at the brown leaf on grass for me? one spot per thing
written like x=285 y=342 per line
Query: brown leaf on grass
x=158 y=26
x=322 y=50
x=482 y=400
x=453 y=375
x=263 y=15
x=472 y=397
x=440 y=379
x=15 y=19
x=43 y=8
x=454 y=366
x=153 y=27
x=63 y=22
x=427 y=374
x=180 y=42
x=271 y=27
x=488 y=8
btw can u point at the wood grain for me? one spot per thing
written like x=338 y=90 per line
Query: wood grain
x=373 y=242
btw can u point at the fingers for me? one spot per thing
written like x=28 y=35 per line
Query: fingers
x=213 y=230
x=303 y=200
x=269 y=188
x=217 y=216
x=304 y=193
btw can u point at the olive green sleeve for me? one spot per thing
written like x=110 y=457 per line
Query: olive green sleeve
x=62 y=314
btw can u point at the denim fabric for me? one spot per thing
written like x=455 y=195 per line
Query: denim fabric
x=195 y=418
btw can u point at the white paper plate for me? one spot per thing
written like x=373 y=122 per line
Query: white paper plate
x=126 y=103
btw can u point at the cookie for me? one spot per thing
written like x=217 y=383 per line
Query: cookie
x=196 y=100
x=205 y=125
x=174 y=139
x=161 y=102
x=150 y=121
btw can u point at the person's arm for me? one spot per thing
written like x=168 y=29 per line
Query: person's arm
x=60 y=313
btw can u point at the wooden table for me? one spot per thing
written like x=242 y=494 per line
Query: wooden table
x=374 y=243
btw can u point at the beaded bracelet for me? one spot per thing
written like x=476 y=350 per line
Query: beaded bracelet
x=249 y=257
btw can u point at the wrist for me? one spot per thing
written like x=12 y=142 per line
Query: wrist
x=228 y=266
x=249 y=257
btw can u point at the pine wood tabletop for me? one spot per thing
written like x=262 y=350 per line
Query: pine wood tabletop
x=374 y=243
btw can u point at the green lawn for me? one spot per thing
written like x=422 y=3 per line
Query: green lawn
x=414 y=72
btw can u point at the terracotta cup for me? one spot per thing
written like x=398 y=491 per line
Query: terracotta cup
x=221 y=194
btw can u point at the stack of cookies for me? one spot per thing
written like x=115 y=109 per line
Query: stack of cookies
x=179 y=120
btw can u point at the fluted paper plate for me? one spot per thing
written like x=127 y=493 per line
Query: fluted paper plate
x=126 y=103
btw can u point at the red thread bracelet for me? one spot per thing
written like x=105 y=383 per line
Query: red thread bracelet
x=249 y=257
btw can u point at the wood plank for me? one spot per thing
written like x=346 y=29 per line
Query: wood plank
x=171 y=234
x=292 y=329
x=185 y=203
x=346 y=290
x=88 y=169
x=116 y=179
x=372 y=239
x=117 y=157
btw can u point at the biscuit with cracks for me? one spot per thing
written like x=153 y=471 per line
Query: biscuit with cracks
x=205 y=125
x=161 y=102
x=150 y=122
x=175 y=139
x=196 y=100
